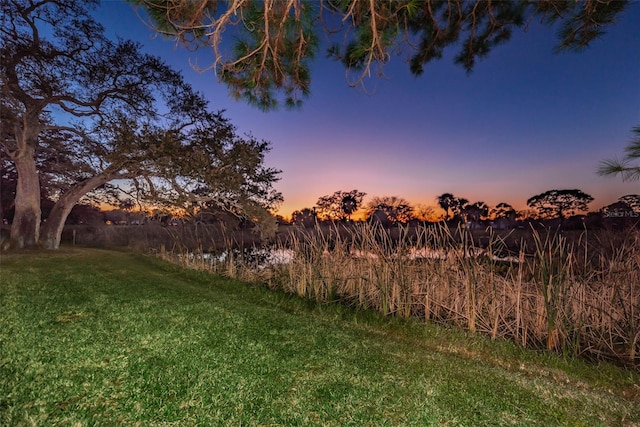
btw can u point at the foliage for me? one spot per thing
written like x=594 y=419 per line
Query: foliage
x=75 y=72
x=306 y=217
x=624 y=213
x=505 y=211
x=632 y=200
x=134 y=118
x=425 y=212
x=449 y=202
x=276 y=40
x=474 y=212
x=96 y=337
x=392 y=209
x=559 y=203
x=339 y=206
x=193 y=165
x=625 y=167
x=86 y=214
x=446 y=201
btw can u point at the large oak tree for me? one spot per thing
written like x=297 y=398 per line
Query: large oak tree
x=107 y=111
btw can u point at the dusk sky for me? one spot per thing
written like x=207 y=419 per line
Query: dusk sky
x=525 y=121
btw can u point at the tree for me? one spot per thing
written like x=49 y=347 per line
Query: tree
x=632 y=200
x=85 y=214
x=116 y=93
x=340 y=205
x=620 y=214
x=559 y=203
x=625 y=209
x=504 y=211
x=192 y=168
x=423 y=212
x=78 y=72
x=625 y=167
x=393 y=209
x=475 y=212
x=503 y=215
x=446 y=201
x=8 y=179
x=449 y=202
x=616 y=209
x=459 y=207
x=305 y=217
x=276 y=40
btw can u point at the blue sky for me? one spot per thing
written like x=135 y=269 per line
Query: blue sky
x=525 y=121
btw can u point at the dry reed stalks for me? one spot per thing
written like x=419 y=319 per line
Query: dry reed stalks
x=562 y=295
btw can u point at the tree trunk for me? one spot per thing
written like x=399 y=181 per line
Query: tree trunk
x=52 y=229
x=25 y=228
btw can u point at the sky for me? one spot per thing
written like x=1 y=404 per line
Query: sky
x=524 y=121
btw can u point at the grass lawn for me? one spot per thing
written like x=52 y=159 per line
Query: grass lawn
x=97 y=337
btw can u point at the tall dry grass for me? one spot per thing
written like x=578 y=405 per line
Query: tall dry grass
x=576 y=295
x=189 y=237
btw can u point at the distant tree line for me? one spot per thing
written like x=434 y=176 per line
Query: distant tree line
x=552 y=205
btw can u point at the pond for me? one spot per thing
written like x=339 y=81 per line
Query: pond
x=261 y=258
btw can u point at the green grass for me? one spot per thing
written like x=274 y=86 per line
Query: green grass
x=96 y=337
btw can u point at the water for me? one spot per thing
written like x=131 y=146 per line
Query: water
x=261 y=258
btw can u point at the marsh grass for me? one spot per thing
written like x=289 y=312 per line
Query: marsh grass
x=96 y=337
x=193 y=236
x=579 y=295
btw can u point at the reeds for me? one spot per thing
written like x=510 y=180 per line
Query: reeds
x=572 y=295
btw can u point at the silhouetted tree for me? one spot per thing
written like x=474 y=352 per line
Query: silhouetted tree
x=85 y=214
x=394 y=209
x=127 y=204
x=632 y=200
x=475 y=212
x=625 y=167
x=446 y=201
x=423 y=212
x=618 y=208
x=349 y=204
x=504 y=211
x=620 y=214
x=276 y=40
x=458 y=207
x=340 y=205
x=559 y=203
x=504 y=215
x=305 y=217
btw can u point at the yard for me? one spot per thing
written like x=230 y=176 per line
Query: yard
x=103 y=337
